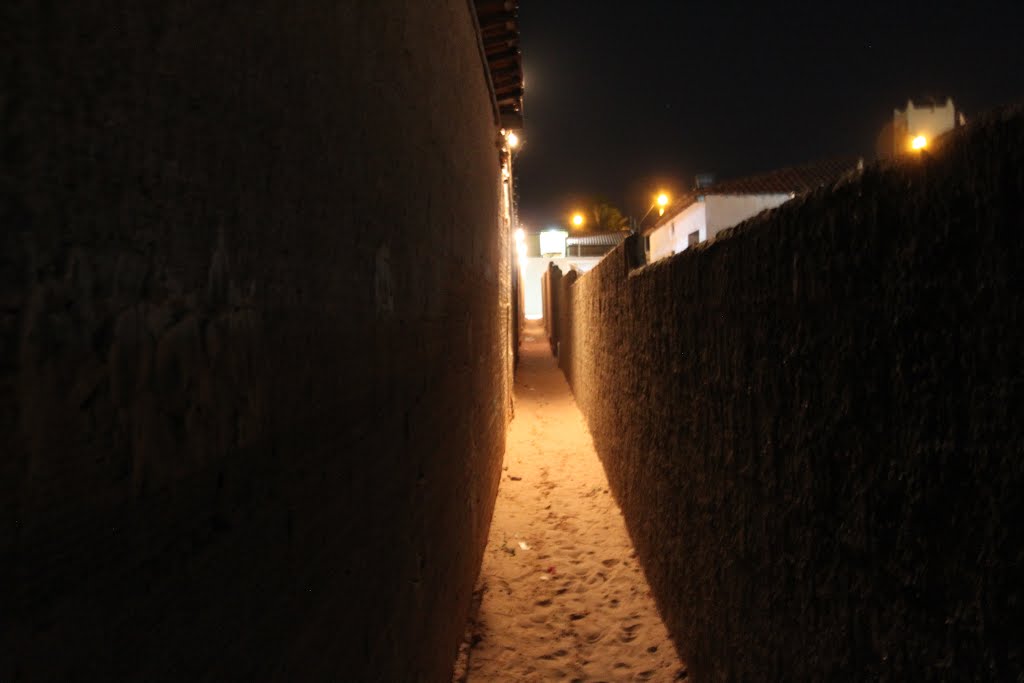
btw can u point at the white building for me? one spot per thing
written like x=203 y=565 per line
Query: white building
x=533 y=273
x=705 y=212
x=580 y=253
x=914 y=128
x=920 y=123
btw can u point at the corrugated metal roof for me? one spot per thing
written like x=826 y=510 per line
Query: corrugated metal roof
x=609 y=239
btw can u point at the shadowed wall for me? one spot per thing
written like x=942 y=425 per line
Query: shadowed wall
x=814 y=424
x=252 y=351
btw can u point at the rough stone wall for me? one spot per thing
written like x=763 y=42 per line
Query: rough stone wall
x=252 y=371
x=545 y=300
x=814 y=424
x=551 y=288
x=564 y=325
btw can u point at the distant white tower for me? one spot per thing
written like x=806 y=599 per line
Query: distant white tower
x=915 y=127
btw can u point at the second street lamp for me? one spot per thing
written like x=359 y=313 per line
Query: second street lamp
x=661 y=201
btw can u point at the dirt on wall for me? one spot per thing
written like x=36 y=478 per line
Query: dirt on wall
x=253 y=387
x=814 y=424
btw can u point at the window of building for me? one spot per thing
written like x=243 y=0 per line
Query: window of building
x=693 y=238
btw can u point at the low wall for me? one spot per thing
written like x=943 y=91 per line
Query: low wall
x=253 y=339
x=814 y=424
x=564 y=326
x=551 y=285
x=532 y=273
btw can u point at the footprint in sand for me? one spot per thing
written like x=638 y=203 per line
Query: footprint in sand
x=628 y=635
x=572 y=591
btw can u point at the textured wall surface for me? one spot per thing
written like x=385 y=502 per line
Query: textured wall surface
x=815 y=424
x=552 y=283
x=564 y=327
x=252 y=348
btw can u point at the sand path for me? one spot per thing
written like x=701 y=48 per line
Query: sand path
x=562 y=595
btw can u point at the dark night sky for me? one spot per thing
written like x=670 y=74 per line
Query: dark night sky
x=622 y=97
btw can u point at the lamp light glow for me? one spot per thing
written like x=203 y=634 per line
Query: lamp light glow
x=577 y=219
x=920 y=142
x=662 y=200
x=512 y=139
x=520 y=235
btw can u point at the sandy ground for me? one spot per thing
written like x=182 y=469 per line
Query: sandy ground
x=561 y=593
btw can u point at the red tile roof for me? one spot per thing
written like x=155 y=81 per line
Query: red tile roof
x=791 y=180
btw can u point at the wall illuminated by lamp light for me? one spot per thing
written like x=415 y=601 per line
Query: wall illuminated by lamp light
x=552 y=242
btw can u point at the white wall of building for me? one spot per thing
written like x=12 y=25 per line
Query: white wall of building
x=928 y=121
x=725 y=211
x=708 y=217
x=672 y=237
x=533 y=272
x=553 y=242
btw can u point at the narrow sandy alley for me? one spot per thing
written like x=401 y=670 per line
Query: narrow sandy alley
x=562 y=594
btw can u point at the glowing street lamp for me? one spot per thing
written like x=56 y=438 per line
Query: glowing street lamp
x=521 y=251
x=512 y=139
x=919 y=143
x=521 y=248
x=577 y=219
x=661 y=201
